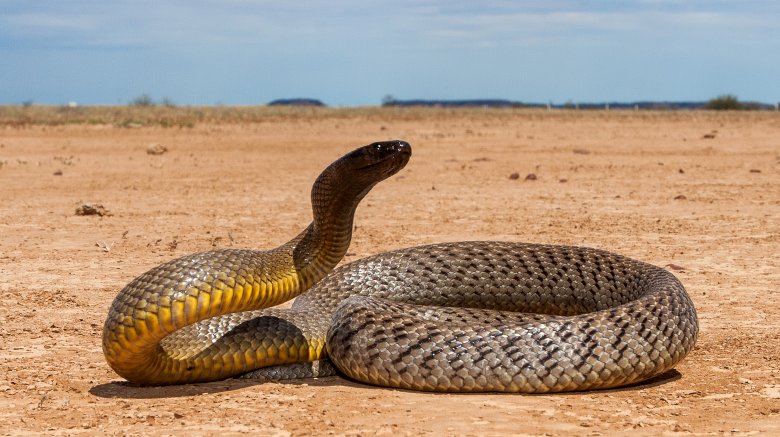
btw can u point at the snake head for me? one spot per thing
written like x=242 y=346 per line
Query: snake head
x=381 y=159
x=342 y=185
x=364 y=167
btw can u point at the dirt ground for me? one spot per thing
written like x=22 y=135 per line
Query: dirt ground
x=696 y=191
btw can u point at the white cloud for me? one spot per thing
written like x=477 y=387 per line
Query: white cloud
x=437 y=23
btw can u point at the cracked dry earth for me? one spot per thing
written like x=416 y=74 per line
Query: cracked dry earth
x=695 y=191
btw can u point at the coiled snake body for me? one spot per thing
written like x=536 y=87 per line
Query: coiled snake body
x=467 y=316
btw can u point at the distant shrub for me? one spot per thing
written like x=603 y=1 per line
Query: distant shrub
x=725 y=102
x=142 y=100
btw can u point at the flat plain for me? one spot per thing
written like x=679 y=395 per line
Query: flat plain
x=697 y=192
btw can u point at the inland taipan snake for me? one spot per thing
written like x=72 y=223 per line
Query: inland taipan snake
x=467 y=316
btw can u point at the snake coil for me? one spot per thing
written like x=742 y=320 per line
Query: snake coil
x=466 y=316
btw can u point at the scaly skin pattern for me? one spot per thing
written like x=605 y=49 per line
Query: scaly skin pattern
x=505 y=317
x=457 y=317
x=190 y=289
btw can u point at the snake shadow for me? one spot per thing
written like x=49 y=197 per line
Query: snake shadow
x=656 y=381
x=343 y=381
x=126 y=390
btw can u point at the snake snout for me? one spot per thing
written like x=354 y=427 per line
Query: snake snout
x=401 y=152
x=399 y=147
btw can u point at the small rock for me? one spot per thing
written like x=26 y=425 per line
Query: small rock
x=709 y=136
x=514 y=176
x=156 y=149
x=530 y=177
x=563 y=180
x=58 y=173
x=92 y=209
x=755 y=170
x=680 y=197
x=772 y=391
x=581 y=151
x=681 y=171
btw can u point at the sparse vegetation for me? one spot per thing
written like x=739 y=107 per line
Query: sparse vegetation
x=167 y=102
x=142 y=100
x=725 y=102
x=131 y=117
x=145 y=101
x=159 y=115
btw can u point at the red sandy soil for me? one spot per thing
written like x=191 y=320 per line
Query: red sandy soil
x=696 y=191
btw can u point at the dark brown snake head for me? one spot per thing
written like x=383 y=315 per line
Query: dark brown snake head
x=376 y=162
x=384 y=158
x=344 y=183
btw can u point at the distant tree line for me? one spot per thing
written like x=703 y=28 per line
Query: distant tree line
x=723 y=102
x=296 y=102
x=492 y=103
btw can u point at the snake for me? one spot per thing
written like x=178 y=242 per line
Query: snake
x=467 y=316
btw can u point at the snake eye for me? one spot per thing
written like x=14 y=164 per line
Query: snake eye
x=380 y=150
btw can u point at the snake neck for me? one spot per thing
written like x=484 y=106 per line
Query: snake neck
x=317 y=250
x=199 y=287
x=322 y=245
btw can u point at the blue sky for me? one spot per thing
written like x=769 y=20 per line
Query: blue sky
x=354 y=52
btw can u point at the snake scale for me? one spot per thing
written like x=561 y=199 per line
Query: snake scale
x=459 y=317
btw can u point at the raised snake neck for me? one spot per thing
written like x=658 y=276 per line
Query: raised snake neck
x=202 y=286
x=532 y=318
